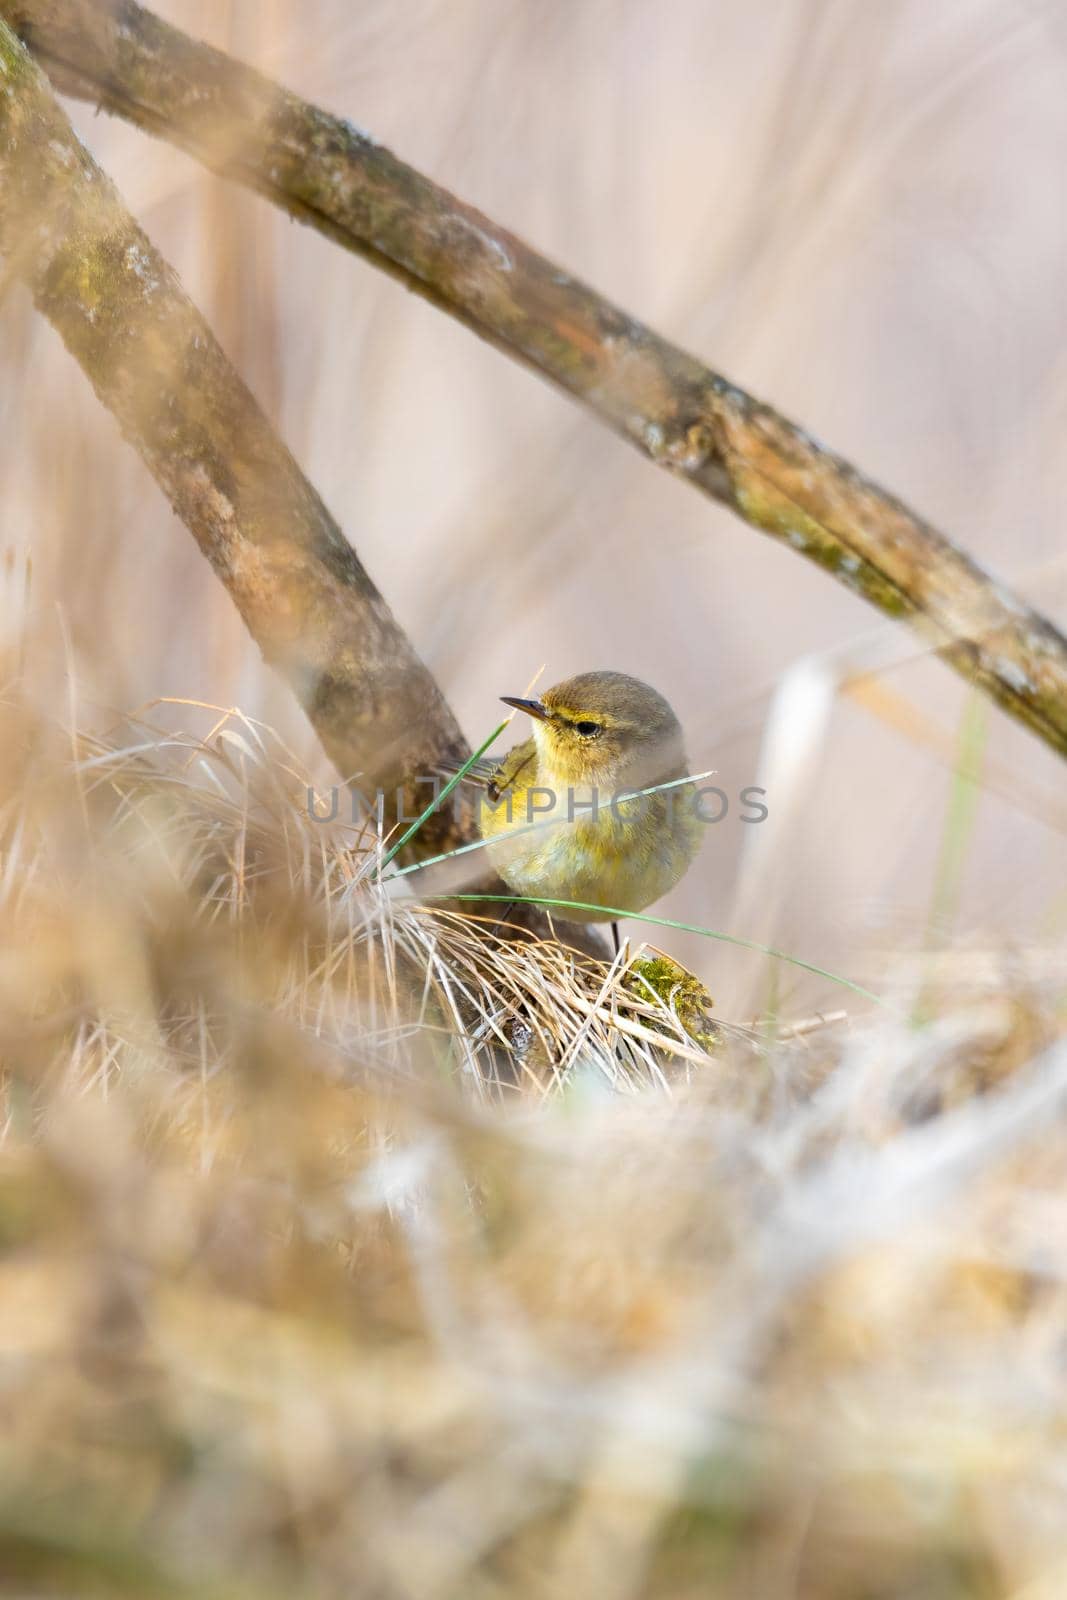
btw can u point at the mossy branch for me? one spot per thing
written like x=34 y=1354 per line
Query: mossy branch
x=155 y=364
x=681 y=414
x=153 y=361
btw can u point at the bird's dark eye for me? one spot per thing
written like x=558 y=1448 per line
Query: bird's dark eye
x=588 y=730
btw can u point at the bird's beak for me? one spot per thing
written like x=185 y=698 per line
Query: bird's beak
x=534 y=707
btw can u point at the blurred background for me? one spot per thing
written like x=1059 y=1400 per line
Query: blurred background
x=291 y=1304
x=856 y=212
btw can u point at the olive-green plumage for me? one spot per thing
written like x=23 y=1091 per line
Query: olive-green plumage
x=596 y=737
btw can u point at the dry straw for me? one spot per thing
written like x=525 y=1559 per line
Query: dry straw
x=352 y=1249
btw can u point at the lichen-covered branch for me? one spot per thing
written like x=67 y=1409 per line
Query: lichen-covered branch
x=154 y=363
x=678 y=412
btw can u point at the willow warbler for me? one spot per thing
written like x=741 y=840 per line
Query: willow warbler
x=555 y=811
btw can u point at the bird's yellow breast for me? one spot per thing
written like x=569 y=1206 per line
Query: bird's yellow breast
x=623 y=857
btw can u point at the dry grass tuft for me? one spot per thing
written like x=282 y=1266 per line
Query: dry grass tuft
x=301 y=1297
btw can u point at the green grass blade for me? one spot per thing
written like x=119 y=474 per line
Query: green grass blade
x=439 y=799
x=959 y=818
x=960 y=813
x=617 y=914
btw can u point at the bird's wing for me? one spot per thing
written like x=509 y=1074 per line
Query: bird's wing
x=478 y=773
x=517 y=768
x=494 y=774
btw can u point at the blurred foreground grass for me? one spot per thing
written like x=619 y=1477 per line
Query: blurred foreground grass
x=348 y=1250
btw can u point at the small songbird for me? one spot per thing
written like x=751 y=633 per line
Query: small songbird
x=554 y=811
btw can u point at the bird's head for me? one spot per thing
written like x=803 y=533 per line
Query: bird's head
x=606 y=730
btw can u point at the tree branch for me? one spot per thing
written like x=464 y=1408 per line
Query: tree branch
x=155 y=364
x=681 y=414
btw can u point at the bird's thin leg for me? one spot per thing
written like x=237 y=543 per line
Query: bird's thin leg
x=505 y=913
x=615 y=936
